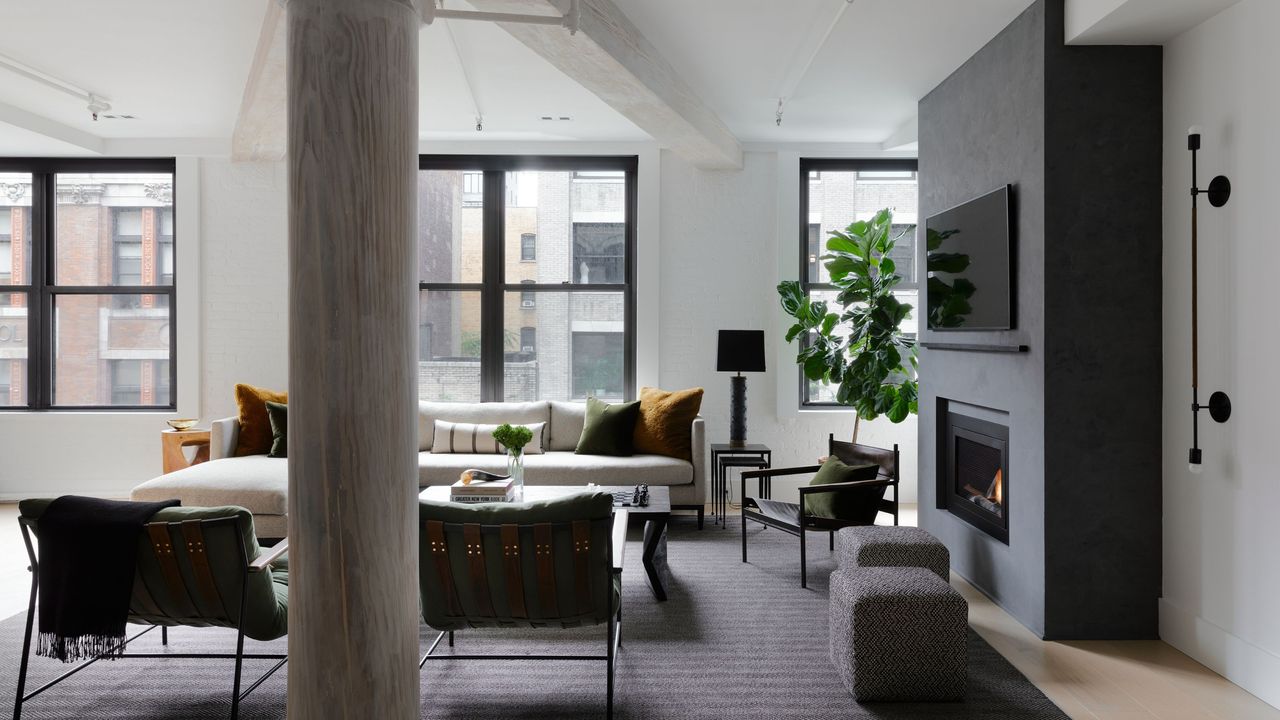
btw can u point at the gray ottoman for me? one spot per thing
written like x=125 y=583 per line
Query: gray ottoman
x=881 y=546
x=898 y=634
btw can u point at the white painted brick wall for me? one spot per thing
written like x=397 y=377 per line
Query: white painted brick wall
x=718 y=269
x=245 y=267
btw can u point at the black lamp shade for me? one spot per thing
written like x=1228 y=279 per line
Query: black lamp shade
x=740 y=351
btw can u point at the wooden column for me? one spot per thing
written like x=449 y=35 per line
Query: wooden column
x=353 y=437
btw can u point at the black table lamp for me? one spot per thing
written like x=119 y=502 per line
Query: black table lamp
x=739 y=351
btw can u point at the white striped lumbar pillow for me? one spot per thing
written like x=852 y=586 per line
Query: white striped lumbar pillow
x=459 y=437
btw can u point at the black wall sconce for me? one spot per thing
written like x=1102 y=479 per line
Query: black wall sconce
x=1219 y=407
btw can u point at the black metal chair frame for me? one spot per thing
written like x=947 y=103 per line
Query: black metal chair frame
x=752 y=511
x=613 y=640
x=261 y=564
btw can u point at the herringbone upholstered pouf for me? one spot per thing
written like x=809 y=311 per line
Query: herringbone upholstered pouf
x=883 y=546
x=898 y=634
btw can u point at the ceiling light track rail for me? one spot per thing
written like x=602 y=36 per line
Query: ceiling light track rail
x=432 y=10
x=96 y=103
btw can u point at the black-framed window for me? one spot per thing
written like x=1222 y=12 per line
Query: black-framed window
x=504 y=315
x=835 y=193
x=87 y=308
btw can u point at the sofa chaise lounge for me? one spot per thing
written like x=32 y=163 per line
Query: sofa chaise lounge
x=260 y=483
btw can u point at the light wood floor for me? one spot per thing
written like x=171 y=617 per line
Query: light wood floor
x=1099 y=680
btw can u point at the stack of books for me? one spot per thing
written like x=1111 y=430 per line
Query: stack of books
x=483 y=487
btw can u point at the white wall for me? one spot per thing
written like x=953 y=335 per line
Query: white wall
x=728 y=238
x=1221 y=575
x=712 y=246
x=246 y=281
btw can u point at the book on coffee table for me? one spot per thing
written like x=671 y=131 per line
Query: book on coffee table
x=480 y=491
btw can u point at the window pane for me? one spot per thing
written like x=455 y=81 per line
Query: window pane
x=15 y=229
x=566 y=227
x=13 y=349
x=449 y=345
x=450 y=226
x=111 y=350
x=567 y=346
x=837 y=198
x=109 y=228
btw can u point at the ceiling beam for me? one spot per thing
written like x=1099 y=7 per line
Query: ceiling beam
x=1135 y=22
x=52 y=129
x=611 y=58
x=260 y=127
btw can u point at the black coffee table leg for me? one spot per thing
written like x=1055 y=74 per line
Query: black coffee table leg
x=655 y=554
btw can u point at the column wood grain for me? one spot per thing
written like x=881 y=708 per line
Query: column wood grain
x=352 y=162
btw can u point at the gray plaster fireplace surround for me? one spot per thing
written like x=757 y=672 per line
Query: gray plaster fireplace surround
x=1067 y=403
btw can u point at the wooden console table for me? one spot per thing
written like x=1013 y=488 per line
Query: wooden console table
x=173 y=441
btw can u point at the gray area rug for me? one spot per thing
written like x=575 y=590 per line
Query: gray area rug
x=734 y=640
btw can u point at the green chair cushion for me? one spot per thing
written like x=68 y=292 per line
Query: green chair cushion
x=854 y=505
x=266 y=606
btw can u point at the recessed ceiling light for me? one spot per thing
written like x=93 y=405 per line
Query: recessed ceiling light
x=555 y=118
x=119 y=117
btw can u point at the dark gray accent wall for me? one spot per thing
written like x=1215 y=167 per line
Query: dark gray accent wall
x=1077 y=132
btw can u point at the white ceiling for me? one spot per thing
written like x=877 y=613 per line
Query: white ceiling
x=880 y=58
x=181 y=65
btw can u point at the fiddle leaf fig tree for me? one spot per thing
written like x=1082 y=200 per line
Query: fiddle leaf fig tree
x=857 y=344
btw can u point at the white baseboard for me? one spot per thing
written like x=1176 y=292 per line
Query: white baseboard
x=1255 y=669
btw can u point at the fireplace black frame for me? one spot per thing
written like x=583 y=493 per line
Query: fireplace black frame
x=953 y=425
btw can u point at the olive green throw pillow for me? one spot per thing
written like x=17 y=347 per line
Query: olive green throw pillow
x=608 y=428
x=278 y=414
x=859 y=505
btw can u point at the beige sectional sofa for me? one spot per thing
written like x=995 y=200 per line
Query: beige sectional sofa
x=260 y=484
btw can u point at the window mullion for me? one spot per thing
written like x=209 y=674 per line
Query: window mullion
x=491 y=299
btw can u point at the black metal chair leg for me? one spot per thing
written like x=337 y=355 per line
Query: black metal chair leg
x=235 y=687
x=701 y=510
x=744 y=532
x=26 y=645
x=450 y=638
x=831 y=540
x=609 y=658
x=804 y=573
x=164 y=635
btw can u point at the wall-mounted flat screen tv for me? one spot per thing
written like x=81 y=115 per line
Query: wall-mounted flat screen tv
x=969 y=260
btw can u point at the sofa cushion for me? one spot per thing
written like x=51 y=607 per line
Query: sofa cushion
x=255 y=426
x=258 y=483
x=454 y=437
x=666 y=419
x=567 y=419
x=561 y=468
x=608 y=429
x=496 y=413
x=278 y=413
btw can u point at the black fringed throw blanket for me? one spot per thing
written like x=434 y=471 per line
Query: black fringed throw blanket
x=88 y=555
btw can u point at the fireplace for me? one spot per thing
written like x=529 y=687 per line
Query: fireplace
x=973 y=477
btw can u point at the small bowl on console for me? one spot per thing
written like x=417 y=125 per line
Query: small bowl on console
x=181 y=424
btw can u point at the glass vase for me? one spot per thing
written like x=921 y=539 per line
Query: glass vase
x=515 y=468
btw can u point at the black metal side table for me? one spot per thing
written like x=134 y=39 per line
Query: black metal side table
x=724 y=456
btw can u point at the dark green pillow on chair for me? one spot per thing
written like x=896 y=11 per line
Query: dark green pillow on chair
x=278 y=413
x=609 y=429
x=859 y=504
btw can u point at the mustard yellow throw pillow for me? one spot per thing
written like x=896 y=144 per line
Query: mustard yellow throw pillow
x=666 y=420
x=255 y=423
